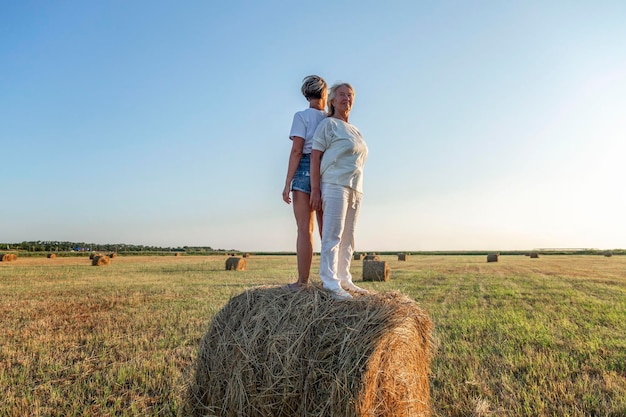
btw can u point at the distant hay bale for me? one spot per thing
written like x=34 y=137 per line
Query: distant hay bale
x=608 y=254
x=113 y=255
x=376 y=271
x=492 y=257
x=94 y=254
x=403 y=256
x=51 y=256
x=357 y=256
x=534 y=255
x=8 y=257
x=263 y=357
x=100 y=260
x=235 y=264
x=246 y=255
x=177 y=254
x=371 y=258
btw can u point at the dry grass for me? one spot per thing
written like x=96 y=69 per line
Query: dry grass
x=272 y=352
x=520 y=337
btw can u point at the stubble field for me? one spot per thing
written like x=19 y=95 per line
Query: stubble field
x=520 y=337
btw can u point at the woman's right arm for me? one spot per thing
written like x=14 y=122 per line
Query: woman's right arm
x=294 y=160
x=316 y=193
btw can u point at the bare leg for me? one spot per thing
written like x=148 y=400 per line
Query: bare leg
x=304 y=243
x=320 y=221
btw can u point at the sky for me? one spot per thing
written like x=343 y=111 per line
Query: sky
x=491 y=125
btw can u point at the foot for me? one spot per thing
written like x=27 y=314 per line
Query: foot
x=297 y=286
x=349 y=286
x=340 y=294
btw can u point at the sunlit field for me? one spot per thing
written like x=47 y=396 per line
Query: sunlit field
x=520 y=337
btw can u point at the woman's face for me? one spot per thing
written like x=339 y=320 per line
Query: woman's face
x=343 y=99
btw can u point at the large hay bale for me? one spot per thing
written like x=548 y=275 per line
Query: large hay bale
x=8 y=257
x=357 y=256
x=100 y=260
x=113 y=255
x=271 y=352
x=492 y=257
x=403 y=256
x=534 y=255
x=376 y=271
x=235 y=264
x=608 y=253
x=51 y=256
x=246 y=255
x=371 y=258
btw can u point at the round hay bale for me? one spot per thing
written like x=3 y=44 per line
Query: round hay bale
x=534 y=255
x=492 y=257
x=8 y=257
x=235 y=264
x=371 y=258
x=113 y=255
x=376 y=271
x=246 y=255
x=51 y=256
x=177 y=254
x=272 y=352
x=403 y=256
x=92 y=255
x=608 y=254
x=100 y=260
x=357 y=256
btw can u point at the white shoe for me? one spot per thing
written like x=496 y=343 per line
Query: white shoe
x=340 y=294
x=349 y=286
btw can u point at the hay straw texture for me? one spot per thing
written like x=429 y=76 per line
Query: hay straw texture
x=8 y=257
x=235 y=264
x=271 y=352
x=376 y=271
x=403 y=256
x=371 y=258
x=100 y=260
x=492 y=257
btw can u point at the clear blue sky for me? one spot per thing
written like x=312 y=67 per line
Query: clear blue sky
x=490 y=124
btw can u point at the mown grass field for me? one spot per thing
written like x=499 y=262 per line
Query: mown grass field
x=520 y=337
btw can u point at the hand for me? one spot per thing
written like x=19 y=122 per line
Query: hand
x=315 y=200
x=286 y=195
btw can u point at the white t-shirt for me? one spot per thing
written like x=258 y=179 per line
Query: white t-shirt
x=304 y=124
x=345 y=153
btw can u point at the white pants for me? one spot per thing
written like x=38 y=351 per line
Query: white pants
x=341 y=210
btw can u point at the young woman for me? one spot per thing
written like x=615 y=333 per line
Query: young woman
x=298 y=180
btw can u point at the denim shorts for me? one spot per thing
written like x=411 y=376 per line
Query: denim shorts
x=302 y=178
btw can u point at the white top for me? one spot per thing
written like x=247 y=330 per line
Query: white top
x=345 y=153
x=304 y=124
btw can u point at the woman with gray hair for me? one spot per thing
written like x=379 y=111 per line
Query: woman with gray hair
x=298 y=180
x=337 y=159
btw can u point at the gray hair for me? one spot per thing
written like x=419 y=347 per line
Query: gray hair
x=313 y=86
x=331 y=95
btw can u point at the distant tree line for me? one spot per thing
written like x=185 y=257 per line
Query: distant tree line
x=58 y=246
